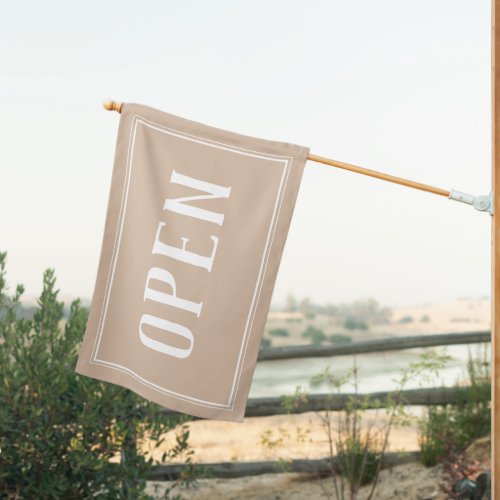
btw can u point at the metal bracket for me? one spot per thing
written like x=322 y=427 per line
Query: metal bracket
x=481 y=203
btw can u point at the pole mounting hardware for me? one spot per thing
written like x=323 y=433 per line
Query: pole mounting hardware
x=481 y=203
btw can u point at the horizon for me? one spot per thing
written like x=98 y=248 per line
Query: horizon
x=279 y=306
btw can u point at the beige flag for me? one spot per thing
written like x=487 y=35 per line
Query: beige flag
x=196 y=223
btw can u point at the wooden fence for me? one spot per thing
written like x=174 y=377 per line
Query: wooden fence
x=260 y=407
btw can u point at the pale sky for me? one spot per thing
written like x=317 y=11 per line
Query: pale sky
x=400 y=86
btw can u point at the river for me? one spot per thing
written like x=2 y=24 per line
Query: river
x=376 y=371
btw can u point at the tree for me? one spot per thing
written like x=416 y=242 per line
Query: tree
x=59 y=430
x=406 y=319
x=314 y=334
x=353 y=323
x=265 y=343
x=279 y=332
x=367 y=310
x=338 y=338
x=291 y=303
x=307 y=308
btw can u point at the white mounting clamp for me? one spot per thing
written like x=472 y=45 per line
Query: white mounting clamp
x=481 y=203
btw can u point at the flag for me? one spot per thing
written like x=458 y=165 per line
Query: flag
x=196 y=223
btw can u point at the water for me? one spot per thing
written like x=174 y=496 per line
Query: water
x=376 y=371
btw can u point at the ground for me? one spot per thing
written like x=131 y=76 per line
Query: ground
x=410 y=482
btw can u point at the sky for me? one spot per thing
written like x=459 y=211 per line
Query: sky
x=399 y=86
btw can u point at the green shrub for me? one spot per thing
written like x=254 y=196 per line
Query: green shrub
x=451 y=428
x=471 y=411
x=359 y=461
x=338 y=338
x=265 y=343
x=314 y=334
x=436 y=435
x=279 y=332
x=406 y=319
x=353 y=323
x=59 y=430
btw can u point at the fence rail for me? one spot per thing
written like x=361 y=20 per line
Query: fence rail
x=170 y=472
x=370 y=346
x=265 y=407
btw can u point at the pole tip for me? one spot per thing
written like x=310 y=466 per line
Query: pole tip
x=113 y=106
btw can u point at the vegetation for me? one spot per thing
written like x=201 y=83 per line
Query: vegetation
x=353 y=323
x=338 y=338
x=449 y=429
x=368 y=311
x=315 y=335
x=59 y=431
x=355 y=450
x=279 y=332
x=406 y=319
x=363 y=312
x=357 y=445
x=265 y=343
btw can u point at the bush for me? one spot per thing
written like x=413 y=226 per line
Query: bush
x=279 y=332
x=338 y=338
x=406 y=319
x=265 y=343
x=59 y=430
x=451 y=428
x=359 y=460
x=314 y=334
x=367 y=310
x=436 y=436
x=353 y=323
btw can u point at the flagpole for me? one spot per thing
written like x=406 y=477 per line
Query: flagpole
x=379 y=175
x=495 y=253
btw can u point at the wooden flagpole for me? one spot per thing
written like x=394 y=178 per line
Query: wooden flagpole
x=495 y=250
x=379 y=175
